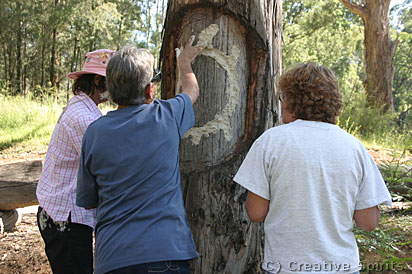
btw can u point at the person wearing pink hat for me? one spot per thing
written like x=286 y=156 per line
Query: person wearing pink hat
x=66 y=228
x=129 y=169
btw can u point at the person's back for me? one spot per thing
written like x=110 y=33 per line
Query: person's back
x=134 y=154
x=314 y=169
x=129 y=169
x=308 y=180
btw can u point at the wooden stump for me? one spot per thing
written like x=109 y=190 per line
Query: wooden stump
x=18 y=182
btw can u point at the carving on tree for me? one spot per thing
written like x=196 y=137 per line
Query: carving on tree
x=228 y=63
x=237 y=72
x=379 y=51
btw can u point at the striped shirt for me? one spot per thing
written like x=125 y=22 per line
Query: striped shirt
x=56 y=189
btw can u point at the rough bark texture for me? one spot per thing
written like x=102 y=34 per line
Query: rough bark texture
x=237 y=72
x=379 y=51
x=18 y=183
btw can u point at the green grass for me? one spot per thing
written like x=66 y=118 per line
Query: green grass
x=26 y=124
x=387 y=249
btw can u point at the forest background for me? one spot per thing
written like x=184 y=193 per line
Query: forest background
x=41 y=41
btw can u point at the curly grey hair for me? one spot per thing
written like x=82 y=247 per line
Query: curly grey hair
x=128 y=73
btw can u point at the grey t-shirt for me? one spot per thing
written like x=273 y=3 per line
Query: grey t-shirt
x=315 y=176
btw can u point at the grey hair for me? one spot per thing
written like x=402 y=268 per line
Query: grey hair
x=128 y=73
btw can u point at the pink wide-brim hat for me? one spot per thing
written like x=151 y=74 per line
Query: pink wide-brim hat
x=94 y=63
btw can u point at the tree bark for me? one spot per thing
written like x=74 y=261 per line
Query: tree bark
x=53 y=55
x=18 y=50
x=148 y=23
x=43 y=50
x=379 y=51
x=18 y=182
x=5 y=63
x=237 y=71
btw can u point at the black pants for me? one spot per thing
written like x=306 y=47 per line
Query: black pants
x=69 y=246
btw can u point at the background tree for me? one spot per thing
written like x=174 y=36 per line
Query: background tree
x=237 y=72
x=402 y=88
x=379 y=50
x=327 y=33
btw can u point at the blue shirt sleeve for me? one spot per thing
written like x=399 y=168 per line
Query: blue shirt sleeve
x=184 y=115
x=86 y=193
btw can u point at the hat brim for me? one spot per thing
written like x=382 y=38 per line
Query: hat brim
x=75 y=75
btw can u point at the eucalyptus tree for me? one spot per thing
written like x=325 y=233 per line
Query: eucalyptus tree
x=402 y=88
x=327 y=33
x=237 y=72
x=379 y=50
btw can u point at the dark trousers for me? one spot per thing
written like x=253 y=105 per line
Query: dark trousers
x=69 y=246
x=167 y=267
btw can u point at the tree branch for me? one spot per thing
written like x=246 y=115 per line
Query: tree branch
x=394 y=46
x=355 y=8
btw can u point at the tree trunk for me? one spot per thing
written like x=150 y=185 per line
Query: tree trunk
x=25 y=70
x=18 y=183
x=71 y=68
x=18 y=50
x=148 y=23
x=379 y=51
x=237 y=72
x=43 y=50
x=11 y=65
x=5 y=63
x=53 y=57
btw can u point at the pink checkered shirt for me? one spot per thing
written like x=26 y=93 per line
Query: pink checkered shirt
x=56 y=189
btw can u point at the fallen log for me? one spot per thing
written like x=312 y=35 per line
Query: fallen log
x=18 y=183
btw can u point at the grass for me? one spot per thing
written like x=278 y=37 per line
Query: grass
x=387 y=249
x=27 y=125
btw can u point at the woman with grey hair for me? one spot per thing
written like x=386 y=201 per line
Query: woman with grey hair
x=129 y=169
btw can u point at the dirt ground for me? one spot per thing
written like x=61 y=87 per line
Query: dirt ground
x=22 y=250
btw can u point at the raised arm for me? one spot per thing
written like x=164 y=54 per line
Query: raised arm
x=189 y=81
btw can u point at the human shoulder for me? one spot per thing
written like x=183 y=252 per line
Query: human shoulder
x=274 y=132
x=182 y=98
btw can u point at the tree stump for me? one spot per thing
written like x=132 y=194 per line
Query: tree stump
x=237 y=72
x=18 y=182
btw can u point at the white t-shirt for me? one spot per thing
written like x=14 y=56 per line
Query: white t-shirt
x=315 y=176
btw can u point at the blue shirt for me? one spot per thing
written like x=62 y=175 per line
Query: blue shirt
x=129 y=168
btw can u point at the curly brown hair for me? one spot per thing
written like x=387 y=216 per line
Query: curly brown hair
x=312 y=93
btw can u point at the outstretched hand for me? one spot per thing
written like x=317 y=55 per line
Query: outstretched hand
x=184 y=59
x=189 y=53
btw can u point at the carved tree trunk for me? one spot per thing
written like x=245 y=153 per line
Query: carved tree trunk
x=237 y=71
x=379 y=51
